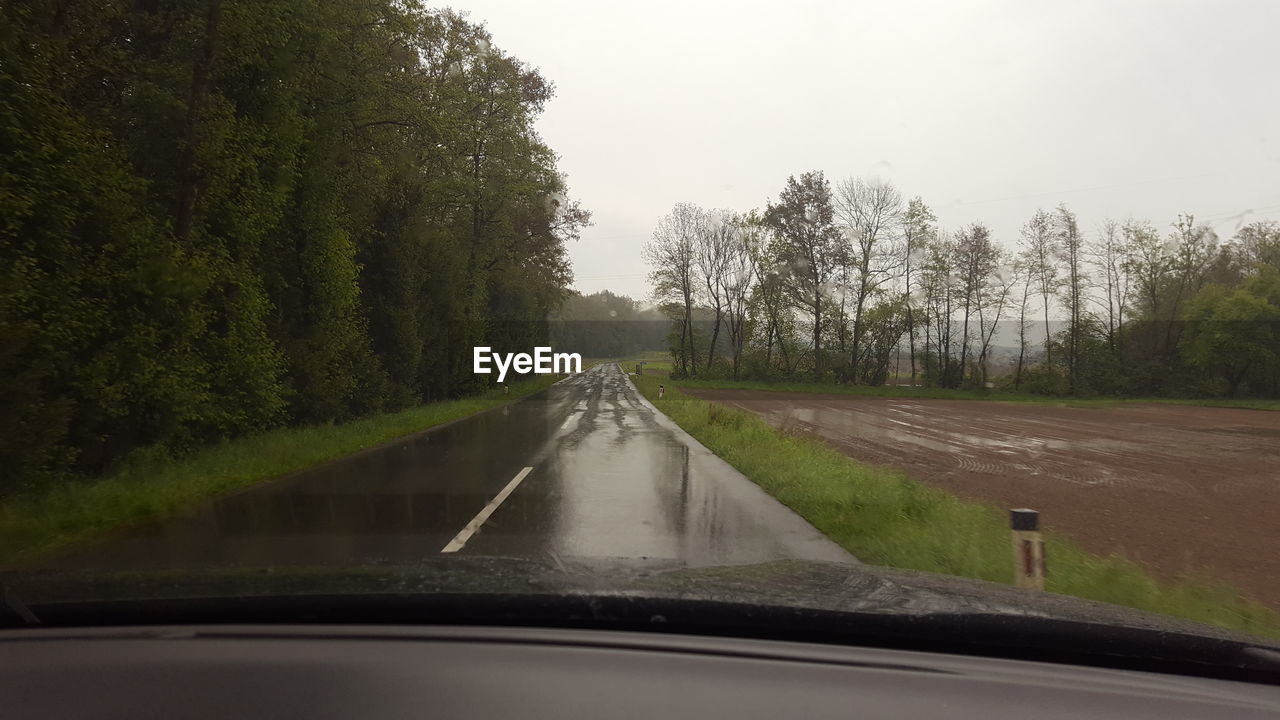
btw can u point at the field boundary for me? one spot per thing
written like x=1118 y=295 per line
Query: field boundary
x=923 y=393
x=883 y=517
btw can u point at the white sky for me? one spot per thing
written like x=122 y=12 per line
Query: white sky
x=987 y=110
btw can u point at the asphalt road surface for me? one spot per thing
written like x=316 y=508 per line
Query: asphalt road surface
x=585 y=469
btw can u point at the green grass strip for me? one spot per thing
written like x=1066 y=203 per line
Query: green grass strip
x=161 y=486
x=886 y=518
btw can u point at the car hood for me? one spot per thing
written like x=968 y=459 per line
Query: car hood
x=784 y=584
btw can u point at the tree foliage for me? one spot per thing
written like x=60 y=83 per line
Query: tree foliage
x=224 y=215
x=606 y=325
x=841 y=287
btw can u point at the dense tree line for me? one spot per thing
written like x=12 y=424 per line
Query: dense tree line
x=607 y=325
x=220 y=216
x=857 y=284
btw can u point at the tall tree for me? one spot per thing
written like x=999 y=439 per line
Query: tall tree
x=740 y=272
x=672 y=256
x=769 y=299
x=717 y=243
x=1038 y=249
x=918 y=229
x=870 y=214
x=938 y=294
x=1107 y=255
x=1023 y=294
x=809 y=246
x=1259 y=243
x=1070 y=248
x=1194 y=249
x=976 y=259
x=992 y=302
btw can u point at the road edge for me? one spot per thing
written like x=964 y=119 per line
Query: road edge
x=818 y=540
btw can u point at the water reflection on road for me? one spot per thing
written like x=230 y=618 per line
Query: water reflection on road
x=611 y=478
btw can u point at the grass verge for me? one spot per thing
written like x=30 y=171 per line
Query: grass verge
x=655 y=361
x=956 y=394
x=885 y=518
x=161 y=486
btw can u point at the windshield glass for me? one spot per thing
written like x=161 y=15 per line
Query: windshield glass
x=898 y=307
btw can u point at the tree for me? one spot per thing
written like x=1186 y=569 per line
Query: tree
x=992 y=303
x=885 y=326
x=808 y=245
x=1194 y=248
x=1259 y=243
x=716 y=244
x=1233 y=331
x=769 y=304
x=918 y=230
x=1023 y=279
x=740 y=270
x=1070 y=249
x=1107 y=255
x=1148 y=263
x=976 y=259
x=222 y=217
x=870 y=214
x=1038 y=251
x=938 y=290
x=605 y=324
x=672 y=256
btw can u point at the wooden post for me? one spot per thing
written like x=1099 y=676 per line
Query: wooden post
x=1028 y=549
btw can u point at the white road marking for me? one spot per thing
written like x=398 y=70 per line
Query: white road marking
x=462 y=537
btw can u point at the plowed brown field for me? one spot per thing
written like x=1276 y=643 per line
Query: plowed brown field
x=1176 y=488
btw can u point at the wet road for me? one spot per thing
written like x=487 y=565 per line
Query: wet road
x=586 y=469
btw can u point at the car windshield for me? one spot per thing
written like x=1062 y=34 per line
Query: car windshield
x=918 y=307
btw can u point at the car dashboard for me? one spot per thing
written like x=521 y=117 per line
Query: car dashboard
x=273 y=671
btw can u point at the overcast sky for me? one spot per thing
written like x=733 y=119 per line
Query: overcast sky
x=988 y=110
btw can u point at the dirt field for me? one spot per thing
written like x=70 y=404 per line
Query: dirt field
x=1176 y=488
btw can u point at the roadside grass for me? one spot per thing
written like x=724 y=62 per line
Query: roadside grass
x=886 y=518
x=897 y=391
x=155 y=486
x=655 y=362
